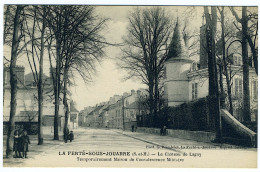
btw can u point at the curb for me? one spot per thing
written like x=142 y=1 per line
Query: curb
x=146 y=141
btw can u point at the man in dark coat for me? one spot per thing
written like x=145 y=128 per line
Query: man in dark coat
x=71 y=136
x=66 y=134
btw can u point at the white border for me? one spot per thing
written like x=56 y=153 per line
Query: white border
x=113 y=2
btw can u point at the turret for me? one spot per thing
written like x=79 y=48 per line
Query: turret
x=177 y=65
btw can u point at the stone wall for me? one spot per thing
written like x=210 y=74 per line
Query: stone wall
x=201 y=136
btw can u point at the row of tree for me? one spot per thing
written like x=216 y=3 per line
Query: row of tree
x=68 y=36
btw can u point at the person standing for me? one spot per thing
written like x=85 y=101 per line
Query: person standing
x=66 y=134
x=17 y=144
x=71 y=136
x=25 y=143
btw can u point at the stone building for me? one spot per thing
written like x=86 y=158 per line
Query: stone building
x=186 y=80
x=83 y=116
x=27 y=104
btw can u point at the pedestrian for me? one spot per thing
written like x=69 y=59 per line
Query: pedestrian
x=133 y=128
x=66 y=134
x=164 y=130
x=20 y=142
x=17 y=144
x=25 y=144
x=71 y=136
x=161 y=131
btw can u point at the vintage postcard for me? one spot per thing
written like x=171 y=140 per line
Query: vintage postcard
x=130 y=86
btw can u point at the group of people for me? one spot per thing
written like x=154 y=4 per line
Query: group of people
x=21 y=143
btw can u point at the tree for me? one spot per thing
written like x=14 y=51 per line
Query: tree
x=146 y=49
x=83 y=46
x=38 y=15
x=55 y=21
x=211 y=23
x=223 y=43
x=17 y=36
x=246 y=92
x=79 y=45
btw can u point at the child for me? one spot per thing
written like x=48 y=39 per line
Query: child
x=17 y=144
x=25 y=143
x=71 y=136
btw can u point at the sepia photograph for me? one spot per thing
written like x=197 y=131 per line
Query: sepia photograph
x=130 y=86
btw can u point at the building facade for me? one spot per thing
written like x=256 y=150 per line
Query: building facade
x=27 y=103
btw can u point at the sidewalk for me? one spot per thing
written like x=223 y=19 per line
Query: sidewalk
x=34 y=148
x=171 y=143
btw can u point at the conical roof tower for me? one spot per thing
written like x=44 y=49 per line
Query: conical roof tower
x=177 y=47
x=177 y=66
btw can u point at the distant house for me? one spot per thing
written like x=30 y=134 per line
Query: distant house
x=93 y=118
x=27 y=106
x=83 y=116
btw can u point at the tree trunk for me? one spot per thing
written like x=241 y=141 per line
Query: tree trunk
x=246 y=92
x=65 y=102
x=254 y=52
x=150 y=124
x=13 y=83
x=57 y=91
x=40 y=86
x=211 y=22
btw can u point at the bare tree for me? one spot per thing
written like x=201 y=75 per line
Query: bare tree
x=223 y=43
x=55 y=21
x=17 y=36
x=211 y=23
x=246 y=92
x=146 y=49
x=36 y=16
x=83 y=46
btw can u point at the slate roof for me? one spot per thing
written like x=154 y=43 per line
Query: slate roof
x=96 y=109
x=29 y=77
x=177 y=47
x=73 y=108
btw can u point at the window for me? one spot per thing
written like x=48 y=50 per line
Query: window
x=237 y=60
x=194 y=66
x=164 y=73
x=194 y=91
x=254 y=85
x=238 y=87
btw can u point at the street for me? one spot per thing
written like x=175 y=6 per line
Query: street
x=117 y=148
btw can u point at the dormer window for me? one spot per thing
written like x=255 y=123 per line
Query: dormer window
x=237 y=60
